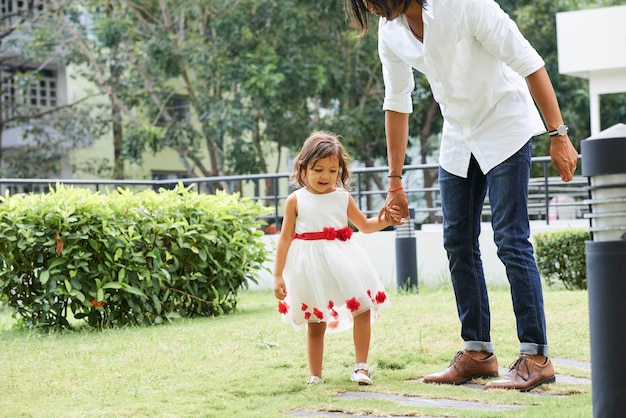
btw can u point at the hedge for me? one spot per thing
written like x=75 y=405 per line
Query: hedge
x=126 y=258
x=561 y=257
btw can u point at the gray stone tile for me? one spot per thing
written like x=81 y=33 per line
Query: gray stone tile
x=429 y=402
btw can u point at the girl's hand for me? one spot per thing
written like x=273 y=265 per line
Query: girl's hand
x=280 y=289
x=397 y=199
x=393 y=215
x=396 y=213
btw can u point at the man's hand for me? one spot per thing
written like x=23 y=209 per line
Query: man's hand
x=563 y=156
x=396 y=209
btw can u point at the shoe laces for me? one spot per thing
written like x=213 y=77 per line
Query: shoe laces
x=517 y=365
x=456 y=358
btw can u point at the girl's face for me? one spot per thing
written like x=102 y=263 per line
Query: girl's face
x=321 y=177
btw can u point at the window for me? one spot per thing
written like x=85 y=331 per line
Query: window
x=27 y=189
x=178 y=109
x=168 y=175
x=10 y=8
x=39 y=92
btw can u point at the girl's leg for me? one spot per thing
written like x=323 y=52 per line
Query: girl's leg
x=361 y=334
x=315 y=347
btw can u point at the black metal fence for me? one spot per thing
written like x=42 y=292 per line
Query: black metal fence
x=549 y=197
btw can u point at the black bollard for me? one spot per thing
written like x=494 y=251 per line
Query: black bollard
x=406 y=255
x=603 y=161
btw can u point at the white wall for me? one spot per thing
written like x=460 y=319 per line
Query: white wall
x=592 y=45
x=591 y=40
x=432 y=262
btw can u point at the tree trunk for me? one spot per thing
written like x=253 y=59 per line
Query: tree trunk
x=118 y=161
x=429 y=176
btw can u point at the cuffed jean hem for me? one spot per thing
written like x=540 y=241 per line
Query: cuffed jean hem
x=479 y=346
x=534 y=349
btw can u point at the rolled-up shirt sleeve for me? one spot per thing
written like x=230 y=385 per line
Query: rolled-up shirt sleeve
x=398 y=78
x=501 y=36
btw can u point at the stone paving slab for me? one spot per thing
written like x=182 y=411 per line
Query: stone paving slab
x=428 y=402
x=585 y=365
x=324 y=414
x=560 y=378
x=444 y=402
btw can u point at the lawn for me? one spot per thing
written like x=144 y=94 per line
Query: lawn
x=250 y=364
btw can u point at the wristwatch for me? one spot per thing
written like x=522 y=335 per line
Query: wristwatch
x=560 y=130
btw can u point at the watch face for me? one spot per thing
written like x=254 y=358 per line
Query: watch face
x=562 y=130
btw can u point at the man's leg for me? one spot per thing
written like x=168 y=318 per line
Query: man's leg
x=462 y=200
x=508 y=196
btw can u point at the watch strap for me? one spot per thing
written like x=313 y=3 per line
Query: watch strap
x=560 y=130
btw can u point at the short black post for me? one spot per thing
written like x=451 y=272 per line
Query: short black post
x=406 y=254
x=603 y=161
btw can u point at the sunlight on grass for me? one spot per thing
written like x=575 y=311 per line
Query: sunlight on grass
x=251 y=364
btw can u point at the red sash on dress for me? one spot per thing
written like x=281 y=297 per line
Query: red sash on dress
x=342 y=234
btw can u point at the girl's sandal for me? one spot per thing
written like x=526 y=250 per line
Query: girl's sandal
x=314 y=380
x=361 y=378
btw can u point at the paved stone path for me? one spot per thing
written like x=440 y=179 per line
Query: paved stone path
x=418 y=401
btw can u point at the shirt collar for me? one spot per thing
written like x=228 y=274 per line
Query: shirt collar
x=428 y=11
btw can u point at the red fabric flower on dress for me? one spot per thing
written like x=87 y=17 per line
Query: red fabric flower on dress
x=344 y=234
x=352 y=304
x=333 y=324
x=329 y=233
x=304 y=306
x=307 y=315
x=283 y=308
x=331 y=306
x=381 y=296
x=318 y=313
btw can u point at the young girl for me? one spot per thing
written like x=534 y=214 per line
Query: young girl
x=323 y=280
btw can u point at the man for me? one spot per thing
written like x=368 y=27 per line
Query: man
x=484 y=74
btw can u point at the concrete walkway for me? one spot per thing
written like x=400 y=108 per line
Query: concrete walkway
x=420 y=401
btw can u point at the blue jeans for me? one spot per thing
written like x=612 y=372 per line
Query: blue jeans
x=462 y=201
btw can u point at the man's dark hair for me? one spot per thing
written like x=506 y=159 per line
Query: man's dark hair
x=358 y=9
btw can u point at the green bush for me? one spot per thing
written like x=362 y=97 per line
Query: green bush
x=124 y=258
x=561 y=257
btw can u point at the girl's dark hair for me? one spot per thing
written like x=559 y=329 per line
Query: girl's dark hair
x=317 y=146
x=359 y=11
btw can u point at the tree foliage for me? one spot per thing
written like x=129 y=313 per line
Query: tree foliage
x=226 y=84
x=537 y=20
x=42 y=128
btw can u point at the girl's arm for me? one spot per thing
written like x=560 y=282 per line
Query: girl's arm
x=362 y=222
x=284 y=241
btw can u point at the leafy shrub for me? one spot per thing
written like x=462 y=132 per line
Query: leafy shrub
x=561 y=257
x=126 y=258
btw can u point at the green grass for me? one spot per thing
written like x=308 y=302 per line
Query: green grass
x=250 y=364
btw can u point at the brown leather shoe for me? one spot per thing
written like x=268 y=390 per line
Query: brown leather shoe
x=526 y=373
x=465 y=366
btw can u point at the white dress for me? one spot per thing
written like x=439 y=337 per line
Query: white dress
x=328 y=280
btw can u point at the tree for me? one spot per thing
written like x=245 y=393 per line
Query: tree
x=241 y=66
x=224 y=84
x=41 y=126
x=537 y=20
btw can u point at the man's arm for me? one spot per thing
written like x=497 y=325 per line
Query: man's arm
x=562 y=153
x=397 y=133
